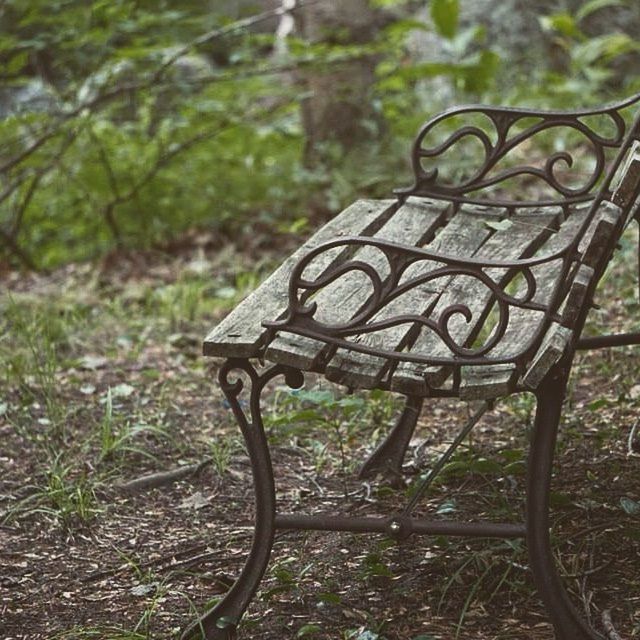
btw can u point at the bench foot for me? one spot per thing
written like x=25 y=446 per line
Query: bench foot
x=221 y=621
x=389 y=455
x=567 y=621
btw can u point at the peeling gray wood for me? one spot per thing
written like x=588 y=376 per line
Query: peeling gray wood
x=511 y=244
x=241 y=333
x=626 y=191
x=524 y=323
x=342 y=299
x=599 y=240
x=551 y=350
x=483 y=382
x=577 y=296
x=523 y=238
x=462 y=236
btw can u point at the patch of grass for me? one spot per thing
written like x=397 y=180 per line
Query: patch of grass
x=119 y=437
x=65 y=495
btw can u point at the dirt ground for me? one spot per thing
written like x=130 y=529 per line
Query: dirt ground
x=82 y=558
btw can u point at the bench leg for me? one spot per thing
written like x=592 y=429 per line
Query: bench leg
x=388 y=456
x=220 y=622
x=568 y=623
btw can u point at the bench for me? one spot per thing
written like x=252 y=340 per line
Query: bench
x=474 y=285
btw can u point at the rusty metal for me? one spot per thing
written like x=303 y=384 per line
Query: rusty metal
x=567 y=621
x=495 y=275
x=500 y=138
x=607 y=341
x=398 y=528
x=424 y=485
x=221 y=621
x=389 y=455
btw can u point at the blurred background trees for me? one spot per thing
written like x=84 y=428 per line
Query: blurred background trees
x=125 y=122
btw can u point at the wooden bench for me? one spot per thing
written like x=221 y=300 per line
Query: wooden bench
x=461 y=287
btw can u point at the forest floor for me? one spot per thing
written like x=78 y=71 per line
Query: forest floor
x=102 y=382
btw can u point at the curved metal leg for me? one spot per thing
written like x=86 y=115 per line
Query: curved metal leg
x=568 y=623
x=220 y=622
x=389 y=455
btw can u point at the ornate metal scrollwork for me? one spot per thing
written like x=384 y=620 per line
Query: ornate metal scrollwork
x=301 y=317
x=499 y=139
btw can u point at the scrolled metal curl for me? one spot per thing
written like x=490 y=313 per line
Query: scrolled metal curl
x=299 y=317
x=427 y=182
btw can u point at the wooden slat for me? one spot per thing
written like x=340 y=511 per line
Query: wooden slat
x=495 y=379
x=518 y=241
x=341 y=300
x=482 y=382
x=552 y=349
x=530 y=230
x=599 y=238
x=626 y=191
x=464 y=233
x=241 y=333
x=577 y=297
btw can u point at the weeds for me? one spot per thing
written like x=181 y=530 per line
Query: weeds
x=118 y=437
x=66 y=496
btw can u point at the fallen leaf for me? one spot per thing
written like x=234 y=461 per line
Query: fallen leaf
x=142 y=590
x=123 y=390
x=630 y=506
x=195 y=501
x=92 y=363
x=499 y=225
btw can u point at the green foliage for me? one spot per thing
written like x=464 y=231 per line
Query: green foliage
x=445 y=14
x=147 y=118
x=590 y=56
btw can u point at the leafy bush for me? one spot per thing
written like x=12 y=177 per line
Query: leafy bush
x=126 y=122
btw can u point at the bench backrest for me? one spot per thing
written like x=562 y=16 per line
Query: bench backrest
x=507 y=172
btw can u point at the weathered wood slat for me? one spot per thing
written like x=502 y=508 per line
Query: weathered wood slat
x=523 y=323
x=483 y=382
x=496 y=380
x=628 y=187
x=241 y=333
x=577 y=295
x=462 y=236
x=517 y=241
x=529 y=231
x=551 y=350
x=598 y=238
x=341 y=300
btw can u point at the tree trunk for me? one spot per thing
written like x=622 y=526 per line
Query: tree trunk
x=338 y=107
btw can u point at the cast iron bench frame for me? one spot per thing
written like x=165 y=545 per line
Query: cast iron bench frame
x=545 y=290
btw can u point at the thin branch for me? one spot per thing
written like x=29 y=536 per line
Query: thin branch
x=155 y=480
x=27 y=152
x=96 y=101
x=16 y=250
x=227 y=30
x=40 y=174
x=609 y=629
x=111 y=176
x=631 y=445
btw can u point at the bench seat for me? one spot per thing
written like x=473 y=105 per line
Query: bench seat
x=482 y=233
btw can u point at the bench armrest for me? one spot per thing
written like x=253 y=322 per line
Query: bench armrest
x=505 y=136
x=404 y=270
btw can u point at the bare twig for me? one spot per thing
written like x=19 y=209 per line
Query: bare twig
x=17 y=251
x=609 y=629
x=155 y=480
x=227 y=30
x=631 y=449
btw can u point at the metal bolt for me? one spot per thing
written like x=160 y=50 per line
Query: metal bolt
x=395 y=527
